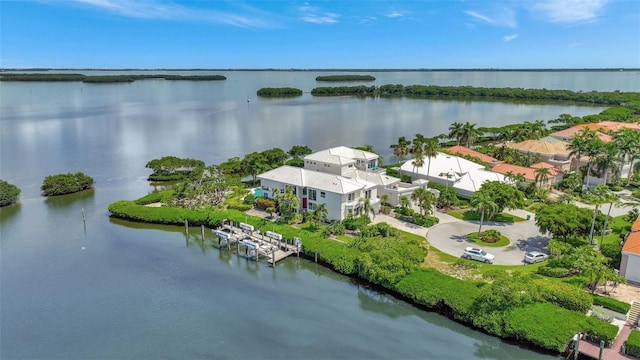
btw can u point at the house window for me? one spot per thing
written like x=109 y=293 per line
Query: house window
x=312 y=194
x=351 y=196
x=367 y=194
x=304 y=191
x=322 y=194
x=312 y=206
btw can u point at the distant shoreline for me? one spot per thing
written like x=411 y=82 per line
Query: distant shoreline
x=337 y=69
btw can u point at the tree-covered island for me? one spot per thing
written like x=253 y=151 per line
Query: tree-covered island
x=279 y=92
x=345 y=78
x=9 y=193
x=104 y=78
x=62 y=184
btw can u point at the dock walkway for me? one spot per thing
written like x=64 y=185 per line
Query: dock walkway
x=614 y=352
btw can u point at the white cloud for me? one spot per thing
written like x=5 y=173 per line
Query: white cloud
x=508 y=38
x=313 y=14
x=504 y=17
x=570 y=11
x=155 y=10
x=395 y=14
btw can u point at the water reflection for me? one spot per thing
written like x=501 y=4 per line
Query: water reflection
x=8 y=212
x=63 y=201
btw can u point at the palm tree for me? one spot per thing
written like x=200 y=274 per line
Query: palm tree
x=578 y=146
x=542 y=175
x=367 y=208
x=384 y=199
x=320 y=213
x=594 y=149
x=628 y=142
x=597 y=196
x=418 y=155
x=401 y=149
x=482 y=202
x=469 y=134
x=404 y=202
x=424 y=199
x=455 y=132
x=430 y=149
x=613 y=199
x=607 y=159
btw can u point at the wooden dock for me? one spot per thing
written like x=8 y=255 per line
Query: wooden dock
x=592 y=351
x=269 y=245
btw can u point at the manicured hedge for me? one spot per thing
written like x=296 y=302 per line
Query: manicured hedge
x=632 y=345
x=611 y=304
x=555 y=272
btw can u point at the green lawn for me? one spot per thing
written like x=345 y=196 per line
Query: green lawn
x=470 y=215
x=474 y=238
x=619 y=227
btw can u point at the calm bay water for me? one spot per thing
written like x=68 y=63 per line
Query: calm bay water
x=118 y=290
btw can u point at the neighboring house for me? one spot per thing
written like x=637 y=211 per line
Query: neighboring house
x=554 y=177
x=630 y=263
x=340 y=177
x=552 y=150
x=464 y=151
x=463 y=175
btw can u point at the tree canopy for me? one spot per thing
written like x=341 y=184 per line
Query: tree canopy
x=9 y=193
x=564 y=220
x=172 y=168
x=62 y=184
x=503 y=195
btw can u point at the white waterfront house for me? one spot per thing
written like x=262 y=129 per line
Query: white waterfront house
x=463 y=175
x=340 y=177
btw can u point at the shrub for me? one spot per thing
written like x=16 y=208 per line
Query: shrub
x=353 y=223
x=62 y=184
x=602 y=314
x=632 y=345
x=555 y=272
x=611 y=304
x=249 y=199
x=490 y=236
x=154 y=197
x=9 y=193
x=565 y=295
x=264 y=203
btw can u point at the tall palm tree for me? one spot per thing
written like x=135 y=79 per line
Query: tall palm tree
x=594 y=148
x=455 y=132
x=469 y=134
x=542 y=175
x=418 y=155
x=401 y=149
x=597 y=196
x=482 y=203
x=628 y=142
x=430 y=149
x=578 y=147
x=613 y=199
x=607 y=159
x=367 y=208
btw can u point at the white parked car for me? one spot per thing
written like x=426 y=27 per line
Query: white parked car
x=478 y=254
x=533 y=257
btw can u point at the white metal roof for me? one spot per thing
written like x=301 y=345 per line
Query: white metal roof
x=317 y=180
x=341 y=155
x=464 y=175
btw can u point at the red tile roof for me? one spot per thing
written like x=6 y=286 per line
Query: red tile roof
x=552 y=169
x=632 y=245
x=462 y=151
x=529 y=173
x=636 y=225
x=572 y=131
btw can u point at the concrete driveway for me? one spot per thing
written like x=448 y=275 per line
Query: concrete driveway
x=449 y=235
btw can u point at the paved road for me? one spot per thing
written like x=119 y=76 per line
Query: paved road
x=449 y=235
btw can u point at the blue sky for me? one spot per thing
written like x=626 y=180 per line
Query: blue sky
x=320 y=34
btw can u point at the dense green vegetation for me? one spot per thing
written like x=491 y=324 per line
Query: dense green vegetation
x=66 y=184
x=346 y=78
x=611 y=304
x=103 y=78
x=170 y=168
x=593 y=97
x=279 y=92
x=9 y=193
x=633 y=344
